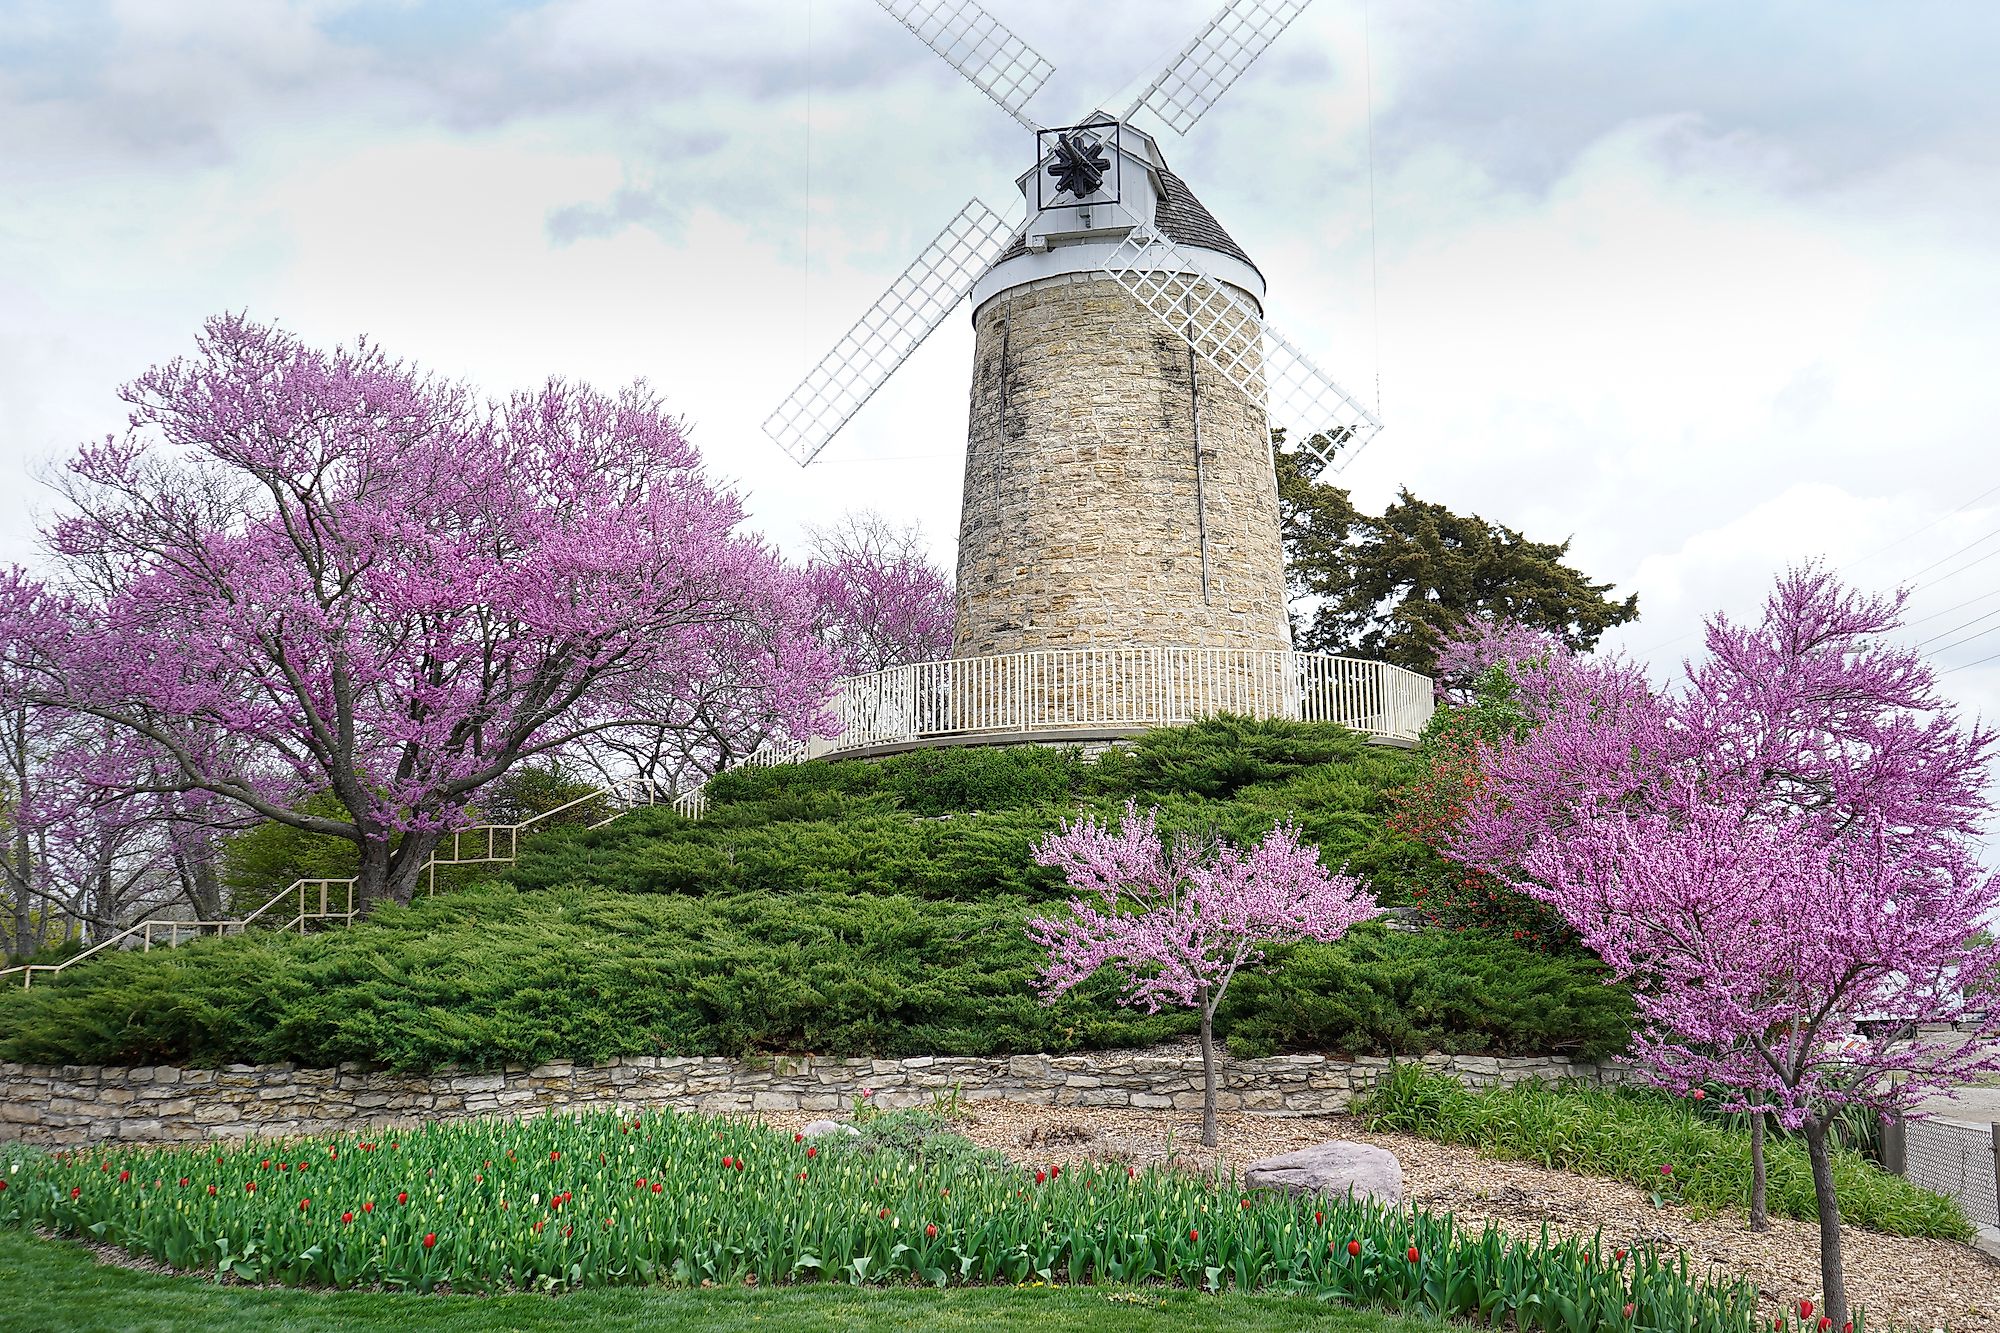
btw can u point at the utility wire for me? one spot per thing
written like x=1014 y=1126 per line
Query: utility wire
x=1374 y=264
x=1976 y=541
x=1925 y=528
x=1968 y=624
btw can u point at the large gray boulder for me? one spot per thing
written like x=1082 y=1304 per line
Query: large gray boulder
x=819 y=1129
x=1339 y=1168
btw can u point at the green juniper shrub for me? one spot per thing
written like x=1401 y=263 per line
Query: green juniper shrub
x=1386 y=992
x=1630 y=1133
x=814 y=910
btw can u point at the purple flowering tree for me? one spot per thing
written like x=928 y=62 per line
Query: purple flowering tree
x=1178 y=920
x=879 y=600
x=305 y=570
x=1780 y=855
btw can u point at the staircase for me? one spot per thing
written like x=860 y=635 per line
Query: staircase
x=308 y=903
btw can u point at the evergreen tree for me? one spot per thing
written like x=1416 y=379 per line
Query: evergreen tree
x=1392 y=587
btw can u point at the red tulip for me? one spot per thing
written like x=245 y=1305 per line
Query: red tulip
x=931 y=1231
x=1319 y=1219
x=1825 y=1322
x=1805 y=1309
x=1193 y=1234
x=812 y=1152
x=346 y=1218
x=1413 y=1254
x=739 y=1164
x=249 y=1187
x=1628 y=1309
x=553 y=1157
x=368 y=1207
x=211 y=1191
x=1699 y=1095
x=184 y=1181
x=265 y=1167
x=430 y=1240
x=1354 y=1249
x=658 y=1187
x=75 y=1191
x=1041 y=1177
x=884 y=1214
x=798 y=1138
x=1245 y=1202
x=402 y=1197
x=728 y=1162
x=1618 y=1254
x=304 y=1204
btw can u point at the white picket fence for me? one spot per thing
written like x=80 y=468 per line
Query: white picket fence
x=1042 y=695
x=1112 y=688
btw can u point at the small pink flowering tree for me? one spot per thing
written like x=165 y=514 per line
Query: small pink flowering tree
x=1178 y=920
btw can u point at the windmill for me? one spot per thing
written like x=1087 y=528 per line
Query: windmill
x=1119 y=487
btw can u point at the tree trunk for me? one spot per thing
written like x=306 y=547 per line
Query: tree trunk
x=1833 y=1281
x=1208 y=1135
x=1760 y=1216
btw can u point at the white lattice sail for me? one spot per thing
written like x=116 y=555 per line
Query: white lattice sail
x=1217 y=56
x=901 y=318
x=978 y=46
x=1224 y=327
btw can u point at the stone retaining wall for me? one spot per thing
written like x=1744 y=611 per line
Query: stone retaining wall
x=87 y=1103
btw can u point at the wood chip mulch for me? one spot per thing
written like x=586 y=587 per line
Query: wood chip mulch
x=1910 y=1283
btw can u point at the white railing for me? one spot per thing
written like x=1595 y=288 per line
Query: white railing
x=1110 y=688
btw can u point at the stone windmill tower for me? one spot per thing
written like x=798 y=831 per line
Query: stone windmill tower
x=1119 y=489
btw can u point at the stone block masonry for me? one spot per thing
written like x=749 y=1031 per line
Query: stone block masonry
x=78 y=1104
x=1085 y=515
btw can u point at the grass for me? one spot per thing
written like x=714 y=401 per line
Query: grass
x=1629 y=1134
x=47 y=1286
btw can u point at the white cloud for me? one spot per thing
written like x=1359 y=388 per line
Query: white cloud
x=1710 y=289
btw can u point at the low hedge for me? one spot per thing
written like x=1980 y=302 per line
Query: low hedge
x=495 y=976
x=1630 y=1134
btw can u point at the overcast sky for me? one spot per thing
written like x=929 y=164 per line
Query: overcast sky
x=1710 y=288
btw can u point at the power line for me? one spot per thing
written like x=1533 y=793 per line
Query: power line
x=1970 y=638
x=1976 y=541
x=1925 y=528
x=1967 y=666
x=1956 y=606
x=1945 y=634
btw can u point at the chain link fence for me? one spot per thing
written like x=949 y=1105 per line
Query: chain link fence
x=1953 y=1157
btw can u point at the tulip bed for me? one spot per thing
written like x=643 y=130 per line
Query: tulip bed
x=568 y=1202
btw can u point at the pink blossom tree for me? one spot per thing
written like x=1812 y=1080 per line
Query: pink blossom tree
x=1779 y=854
x=302 y=570
x=879 y=600
x=1178 y=920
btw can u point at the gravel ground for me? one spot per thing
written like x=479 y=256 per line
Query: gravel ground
x=1916 y=1284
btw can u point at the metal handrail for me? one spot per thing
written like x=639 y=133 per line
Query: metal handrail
x=323 y=910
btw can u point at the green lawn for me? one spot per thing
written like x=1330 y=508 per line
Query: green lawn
x=48 y=1285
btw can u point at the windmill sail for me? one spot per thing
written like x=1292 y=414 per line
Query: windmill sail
x=1221 y=325
x=1219 y=53
x=901 y=318
x=978 y=46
